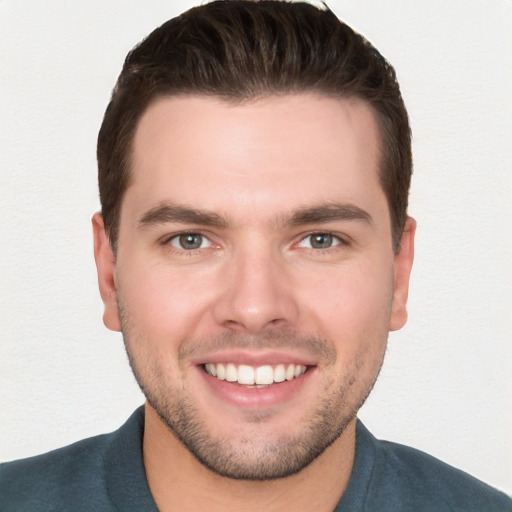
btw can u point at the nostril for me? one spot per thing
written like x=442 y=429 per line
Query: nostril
x=254 y=325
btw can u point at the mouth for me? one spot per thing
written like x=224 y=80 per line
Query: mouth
x=255 y=376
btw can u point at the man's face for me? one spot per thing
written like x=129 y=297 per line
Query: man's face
x=255 y=277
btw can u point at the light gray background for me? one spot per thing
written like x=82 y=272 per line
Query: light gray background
x=446 y=385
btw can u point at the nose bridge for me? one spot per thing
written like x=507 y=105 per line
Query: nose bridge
x=255 y=293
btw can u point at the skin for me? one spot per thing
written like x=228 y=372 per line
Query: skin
x=266 y=175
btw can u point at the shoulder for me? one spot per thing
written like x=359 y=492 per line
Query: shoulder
x=75 y=477
x=36 y=482
x=422 y=482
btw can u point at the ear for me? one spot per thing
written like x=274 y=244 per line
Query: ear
x=105 y=264
x=403 y=265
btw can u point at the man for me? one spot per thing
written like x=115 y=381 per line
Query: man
x=254 y=249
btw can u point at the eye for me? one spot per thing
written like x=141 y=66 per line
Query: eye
x=189 y=241
x=320 y=241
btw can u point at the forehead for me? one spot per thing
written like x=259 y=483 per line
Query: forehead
x=273 y=152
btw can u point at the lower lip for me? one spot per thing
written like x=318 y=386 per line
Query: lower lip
x=256 y=398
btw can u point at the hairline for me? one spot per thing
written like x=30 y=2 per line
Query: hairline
x=239 y=100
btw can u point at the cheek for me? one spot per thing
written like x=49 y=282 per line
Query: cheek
x=352 y=304
x=163 y=301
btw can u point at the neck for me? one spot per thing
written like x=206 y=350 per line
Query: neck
x=179 y=482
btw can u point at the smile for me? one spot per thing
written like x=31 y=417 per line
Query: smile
x=245 y=375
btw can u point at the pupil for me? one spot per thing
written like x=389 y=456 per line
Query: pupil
x=190 y=241
x=321 y=241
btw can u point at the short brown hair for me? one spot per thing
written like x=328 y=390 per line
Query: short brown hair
x=241 y=49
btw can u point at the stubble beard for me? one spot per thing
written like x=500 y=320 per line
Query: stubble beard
x=253 y=457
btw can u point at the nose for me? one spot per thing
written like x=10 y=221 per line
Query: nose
x=256 y=294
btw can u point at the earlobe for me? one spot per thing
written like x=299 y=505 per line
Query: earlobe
x=105 y=265
x=403 y=265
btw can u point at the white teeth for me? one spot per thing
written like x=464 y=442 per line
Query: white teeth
x=260 y=376
x=231 y=373
x=211 y=369
x=279 y=373
x=264 y=375
x=290 y=372
x=245 y=375
x=220 y=370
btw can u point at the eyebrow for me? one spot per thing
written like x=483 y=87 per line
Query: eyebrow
x=317 y=214
x=175 y=213
x=327 y=213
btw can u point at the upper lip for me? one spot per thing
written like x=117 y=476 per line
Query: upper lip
x=255 y=358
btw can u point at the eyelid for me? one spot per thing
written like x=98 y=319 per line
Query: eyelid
x=340 y=239
x=168 y=238
x=178 y=238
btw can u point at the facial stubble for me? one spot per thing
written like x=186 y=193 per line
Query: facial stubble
x=254 y=457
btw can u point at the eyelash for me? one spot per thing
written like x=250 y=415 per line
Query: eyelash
x=168 y=239
x=335 y=239
x=339 y=242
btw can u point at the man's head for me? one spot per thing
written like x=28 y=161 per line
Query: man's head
x=257 y=270
x=241 y=50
